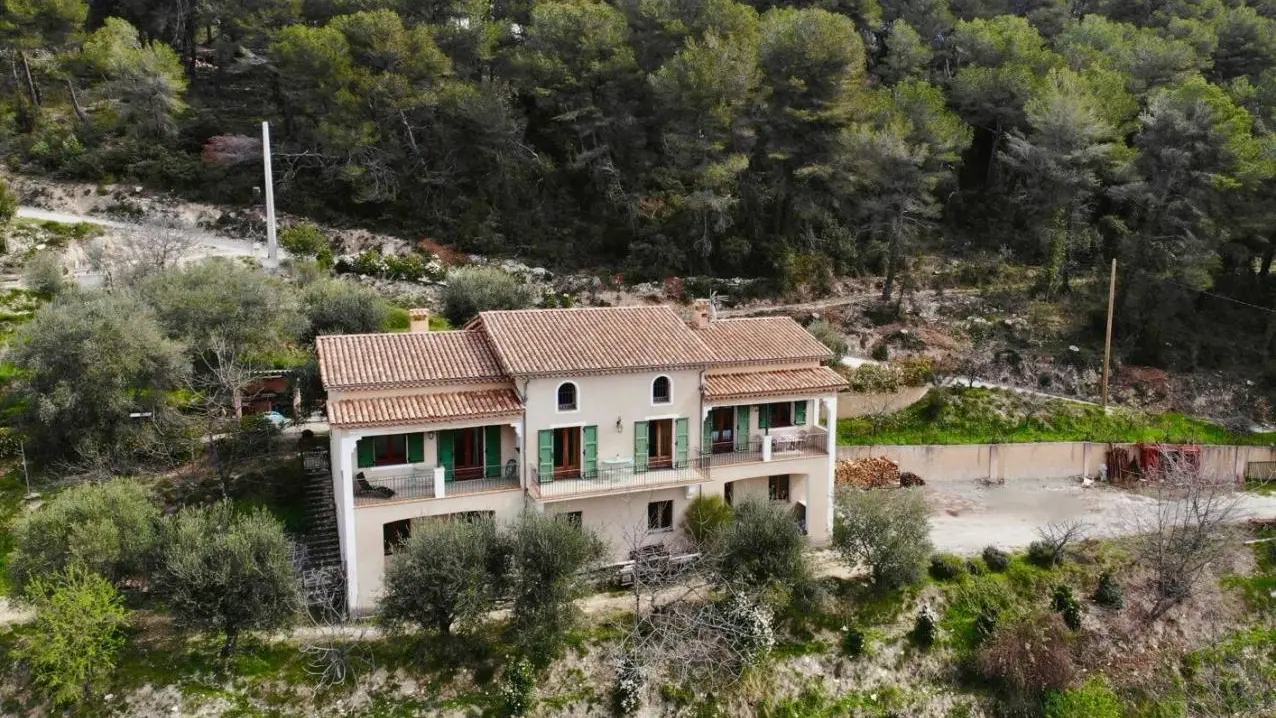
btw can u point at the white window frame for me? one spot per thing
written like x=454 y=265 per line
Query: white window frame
x=669 y=380
x=575 y=389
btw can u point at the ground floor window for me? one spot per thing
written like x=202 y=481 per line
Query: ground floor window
x=778 y=488
x=394 y=534
x=728 y=493
x=570 y=517
x=660 y=515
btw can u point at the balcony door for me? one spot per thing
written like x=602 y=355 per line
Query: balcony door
x=567 y=452
x=468 y=453
x=660 y=444
x=722 y=429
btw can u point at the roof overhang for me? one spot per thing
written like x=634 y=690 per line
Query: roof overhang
x=417 y=409
x=781 y=382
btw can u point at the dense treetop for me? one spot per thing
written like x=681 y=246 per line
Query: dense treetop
x=662 y=137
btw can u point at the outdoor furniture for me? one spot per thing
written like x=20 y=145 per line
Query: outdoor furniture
x=363 y=488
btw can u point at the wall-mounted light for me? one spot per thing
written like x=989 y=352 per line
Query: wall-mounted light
x=620 y=427
x=430 y=435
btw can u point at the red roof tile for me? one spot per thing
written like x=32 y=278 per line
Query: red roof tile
x=530 y=342
x=761 y=340
x=423 y=408
x=772 y=383
x=371 y=361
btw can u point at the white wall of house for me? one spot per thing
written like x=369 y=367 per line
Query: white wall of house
x=604 y=399
x=369 y=522
x=621 y=520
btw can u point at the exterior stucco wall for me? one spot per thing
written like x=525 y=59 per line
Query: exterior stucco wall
x=370 y=520
x=601 y=400
x=621 y=520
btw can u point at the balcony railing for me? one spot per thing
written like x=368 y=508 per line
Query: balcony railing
x=422 y=484
x=554 y=483
x=783 y=446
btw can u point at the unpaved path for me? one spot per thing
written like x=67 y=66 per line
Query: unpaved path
x=208 y=244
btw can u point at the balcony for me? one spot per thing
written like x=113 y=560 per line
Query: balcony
x=797 y=445
x=617 y=479
x=435 y=483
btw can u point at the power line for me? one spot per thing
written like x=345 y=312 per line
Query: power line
x=1220 y=296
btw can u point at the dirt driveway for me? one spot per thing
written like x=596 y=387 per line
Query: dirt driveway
x=968 y=516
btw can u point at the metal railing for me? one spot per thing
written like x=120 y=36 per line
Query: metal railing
x=420 y=484
x=552 y=482
x=783 y=446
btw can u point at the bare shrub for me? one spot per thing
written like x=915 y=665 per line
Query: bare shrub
x=142 y=251
x=1183 y=533
x=1027 y=657
x=1055 y=537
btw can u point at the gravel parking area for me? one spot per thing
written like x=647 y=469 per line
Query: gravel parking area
x=969 y=516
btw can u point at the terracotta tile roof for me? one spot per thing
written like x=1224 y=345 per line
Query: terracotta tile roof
x=564 y=341
x=369 y=361
x=759 y=340
x=423 y=408
x=772 y=383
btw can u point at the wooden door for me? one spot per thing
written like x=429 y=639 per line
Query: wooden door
x=660 y=444
x=567 y=453
x=723 y=429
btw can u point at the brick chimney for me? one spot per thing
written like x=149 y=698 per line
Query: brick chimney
x=420 y=320
x=701 y=314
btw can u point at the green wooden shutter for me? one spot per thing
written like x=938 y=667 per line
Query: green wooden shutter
x=640 y=446
x=416 y=448
x=799 y=413
x=742 y=428
x=545 y=456
x=681 y=441
x=706 y=435
x=492 y=451
x=589 y=437
x=764 y=416
x=366 y=452
x=447 y=454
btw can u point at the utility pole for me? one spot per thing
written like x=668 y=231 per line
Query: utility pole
x=272 y=247
x=1107 y=341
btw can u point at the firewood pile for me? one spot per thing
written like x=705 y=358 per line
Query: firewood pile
x=871 y=473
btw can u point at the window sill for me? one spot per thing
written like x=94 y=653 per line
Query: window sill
x=660 y=531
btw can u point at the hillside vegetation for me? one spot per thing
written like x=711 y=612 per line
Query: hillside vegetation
x=795 y=142
x=959 y=415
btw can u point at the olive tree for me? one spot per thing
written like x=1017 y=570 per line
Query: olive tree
x=447 y=574
x=548 y=557
x=763 y=548
x=471 y=290
x=227 y=571
x=887 y=530
x=95 y=372
x=107 y=528
x=333 y=306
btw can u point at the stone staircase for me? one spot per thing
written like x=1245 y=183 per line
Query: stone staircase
x=322 y=571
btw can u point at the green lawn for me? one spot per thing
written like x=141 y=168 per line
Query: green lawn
x=979 y=416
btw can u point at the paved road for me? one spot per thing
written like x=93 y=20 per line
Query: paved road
x=209 y=243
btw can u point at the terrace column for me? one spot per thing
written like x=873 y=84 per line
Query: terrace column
x=823 y=493
x=342 y=449
x=518 y=450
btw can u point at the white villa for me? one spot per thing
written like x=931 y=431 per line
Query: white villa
x=614 y=418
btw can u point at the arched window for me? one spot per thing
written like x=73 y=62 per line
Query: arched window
x=567 y=396
x=661 y=391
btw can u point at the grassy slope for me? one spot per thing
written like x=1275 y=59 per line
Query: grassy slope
x=976 y=416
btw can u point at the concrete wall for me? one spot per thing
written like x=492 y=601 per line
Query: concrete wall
x=1065 y=459
x=369 y=521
